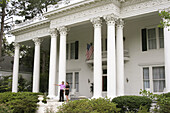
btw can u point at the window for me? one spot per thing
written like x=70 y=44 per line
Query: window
x=76 y=86
x=158 y=79
x=155 y=77
x=146 y=81
x=161 y=38
x=72 y=50
x=69 y=79
x=152 y=38
x=73 y=80
x=104 y=83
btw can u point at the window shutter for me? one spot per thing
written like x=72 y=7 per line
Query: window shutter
x=144 y=40
x=76 y=49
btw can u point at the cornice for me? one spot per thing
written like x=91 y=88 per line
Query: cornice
x=77 y=6
x=30 y=26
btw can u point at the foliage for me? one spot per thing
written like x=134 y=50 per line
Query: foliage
x=143 y=109
x=5 y=83
x=132 y=103
x=30 y=8
x=25 y=102
x=163 y=101
x=5 y=109
x=44 y=82
x=100 y=105
x=165 y=22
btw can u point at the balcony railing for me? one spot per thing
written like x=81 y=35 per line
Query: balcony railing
x=104 y=56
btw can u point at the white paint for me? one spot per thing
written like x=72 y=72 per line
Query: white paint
x=167 y=57
x=36 y=70
x=97 y=72
x=15 y=69
x=111 y=57
x=120 y=59
x=62 y=57
x=53 y=66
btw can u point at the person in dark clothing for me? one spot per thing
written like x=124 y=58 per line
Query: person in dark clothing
x=67 y=90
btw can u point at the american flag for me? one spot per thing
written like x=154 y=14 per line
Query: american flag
x=89 y=51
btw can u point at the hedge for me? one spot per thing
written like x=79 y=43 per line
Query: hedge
x=23 y=102
x=100 y=105
x=132 y=103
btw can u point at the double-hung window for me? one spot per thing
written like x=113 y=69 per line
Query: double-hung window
x=73 y=79
x=152 y=38
x=72 y=50
x=154 y=78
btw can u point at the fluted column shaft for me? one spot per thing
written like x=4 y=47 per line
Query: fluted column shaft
x=120 y=58
x=111 y=57
x=15 y=69
x=53 y=64
x=97 y=73
x=62 y=56
x=36 y=70
x=167 y=56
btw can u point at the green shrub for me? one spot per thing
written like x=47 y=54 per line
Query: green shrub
x=162 y=101
x=166 y=94
x=25 y=102
x=132 y=103
x=100 y=105
x=5 y=109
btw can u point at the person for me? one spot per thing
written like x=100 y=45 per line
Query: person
x=62 y=87
x=67 y=90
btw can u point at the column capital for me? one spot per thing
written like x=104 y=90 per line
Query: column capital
x=97 y=22
x=37 y=41
x=110 y=19
x=120 y=23
x=53 y=32
x=63 y=30
x=16 y=44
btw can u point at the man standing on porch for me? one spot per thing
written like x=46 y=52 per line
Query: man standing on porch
x=62 y=87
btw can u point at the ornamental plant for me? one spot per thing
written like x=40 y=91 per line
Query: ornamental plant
x=100 y=105
x=25 y=102
x=162 y=101
x=132 y=103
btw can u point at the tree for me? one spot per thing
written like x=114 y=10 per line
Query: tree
x=165 y=22
x=3 y=6
x=30 y=8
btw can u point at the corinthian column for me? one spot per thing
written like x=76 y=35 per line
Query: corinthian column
x=120 y=58
x=97 y=72
x=53 y=64
x=36 y=71
x=111 y=57
x=62 y=55
x=167 y=56
x=15 y=69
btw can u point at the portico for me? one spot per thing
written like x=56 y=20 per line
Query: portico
x=70 y=29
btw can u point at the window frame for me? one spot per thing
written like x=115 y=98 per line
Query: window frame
x=69 y=50
x=157 y=38
x=73 y=80
x=151 y=78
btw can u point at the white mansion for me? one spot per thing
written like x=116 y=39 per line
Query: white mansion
x=130 y=51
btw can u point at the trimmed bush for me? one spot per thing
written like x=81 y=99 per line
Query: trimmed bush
x=100 y=105
x=5 y=109
x=132 y=103
x=166 y=94
x=23 y=102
